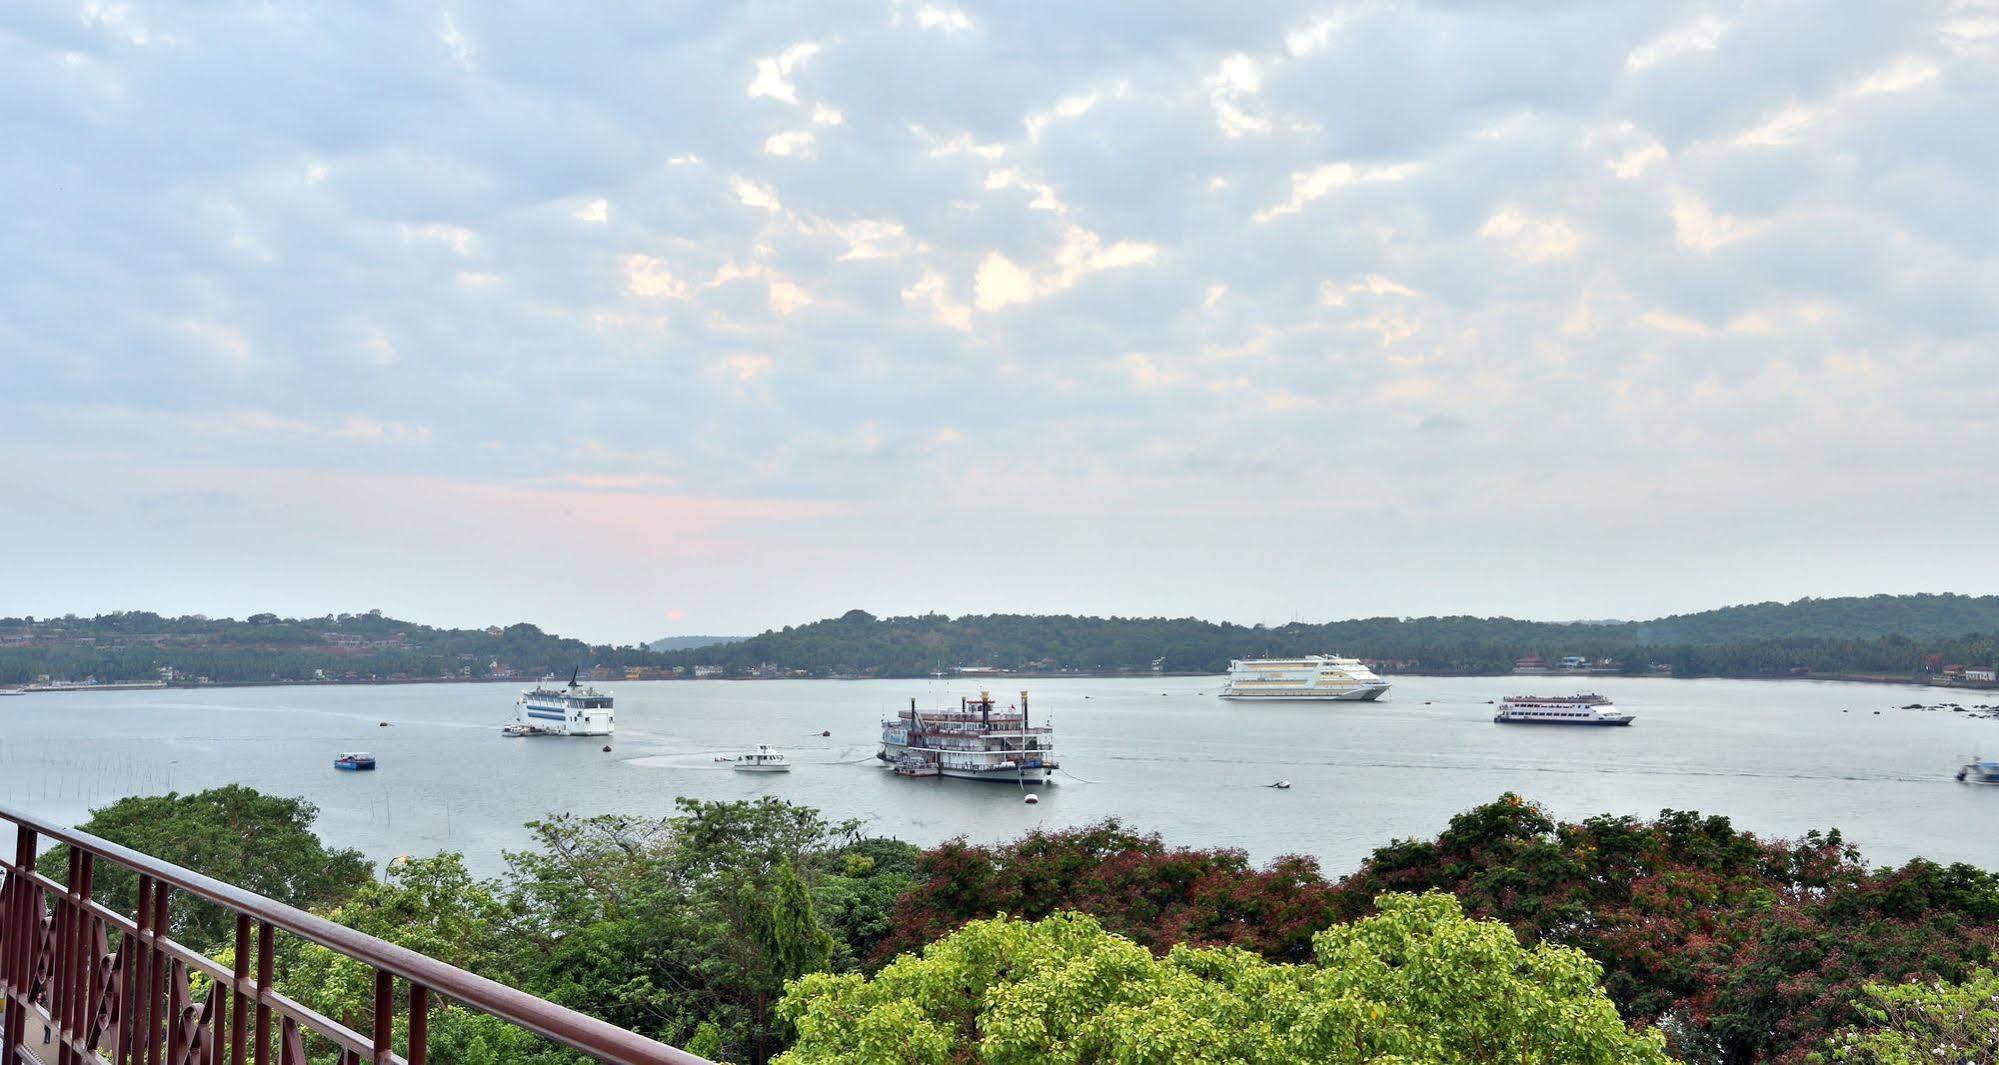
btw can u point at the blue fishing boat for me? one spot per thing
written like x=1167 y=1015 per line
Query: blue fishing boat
x=354 y=761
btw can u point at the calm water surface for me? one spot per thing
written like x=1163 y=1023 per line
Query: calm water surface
x=1163 y=754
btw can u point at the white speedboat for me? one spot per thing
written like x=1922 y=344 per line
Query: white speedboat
x=1559 y=710
x=1307 y=678
x=763 y=760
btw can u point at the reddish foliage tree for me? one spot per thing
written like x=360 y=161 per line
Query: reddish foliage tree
x=1742 y=949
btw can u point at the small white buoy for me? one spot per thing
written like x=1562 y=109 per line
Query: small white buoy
x=1031 y=799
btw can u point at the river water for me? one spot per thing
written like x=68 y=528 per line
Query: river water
x=1164 y=754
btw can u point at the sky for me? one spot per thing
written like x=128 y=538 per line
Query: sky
x=655 y=318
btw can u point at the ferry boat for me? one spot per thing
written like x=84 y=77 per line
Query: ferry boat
x=354 y=761
x=572 y=710
x=1587 y=709
x=763 y=760
x=979 y=740
x=1308 y=678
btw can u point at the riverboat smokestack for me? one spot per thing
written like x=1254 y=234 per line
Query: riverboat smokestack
x=1023 y=711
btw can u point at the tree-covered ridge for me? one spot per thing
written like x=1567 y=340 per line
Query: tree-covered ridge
x=137 y=645
x=1883 y=634
x=1888 y=634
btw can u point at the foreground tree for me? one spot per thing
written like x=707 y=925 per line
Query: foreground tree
x=1417 y=983
x=238 y=835
x=1931 y=1023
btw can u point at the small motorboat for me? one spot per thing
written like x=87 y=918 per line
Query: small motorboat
x=354 y=761
x=910 y=765
x=1280 y=785
x=518 y=730
x=1979 y=771
x=763 y=760
x=13 y=691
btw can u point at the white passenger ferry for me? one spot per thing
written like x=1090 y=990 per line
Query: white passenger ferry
x=1559 y=710
x=977 y=741
x=1309 y=678
x=572 y=710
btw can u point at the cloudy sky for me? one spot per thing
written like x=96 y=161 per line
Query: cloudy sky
x=709 y=317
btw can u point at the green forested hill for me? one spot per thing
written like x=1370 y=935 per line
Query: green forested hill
x=1883 y=633
x=1922 y=617
x=1889 y=634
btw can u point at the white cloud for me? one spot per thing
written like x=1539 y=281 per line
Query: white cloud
x=648 y=277
x=1149 y=371
x=938 y=18
x=797 y=142
x=595 y=212
x=771 y=75
x=1703 y=34
x=999 y=282
x=752 y=194
x=1700 y=227
x=1238 y=78
x=823 y=115
x=744 y=368
x=1068 y=107
x=1212 y=299
x=1530 y=238
x=932 y=291
x=1668 y=322
x=788 y=297
x=1904 y=74
x=458 y=238
x=867 y=238
x=1310 y=185
x=1316 y=35
x=1634 y=162
x=1783 y=127
x=958 y=144
x=455 y=42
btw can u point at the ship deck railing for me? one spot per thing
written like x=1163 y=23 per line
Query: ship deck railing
x=103 y=987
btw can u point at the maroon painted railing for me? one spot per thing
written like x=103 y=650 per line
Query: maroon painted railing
x=134 y=1004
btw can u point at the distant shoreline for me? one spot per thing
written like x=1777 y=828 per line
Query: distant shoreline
x=1850 y=678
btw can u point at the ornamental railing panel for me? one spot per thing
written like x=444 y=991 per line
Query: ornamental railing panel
x=84 y=981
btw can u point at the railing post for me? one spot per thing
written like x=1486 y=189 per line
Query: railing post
x=385 y=1017
x=264 y=952
x=419 y=1053
x=139 y=998
x=20 y=954
x=238 y=1014
x=161 y=1023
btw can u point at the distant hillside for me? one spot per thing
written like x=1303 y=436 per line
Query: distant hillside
x=1884 y=633
x=1919 y=617
x=689 y=643
x=139 y=645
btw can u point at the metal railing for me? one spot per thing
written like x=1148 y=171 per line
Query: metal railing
x=135 y=1004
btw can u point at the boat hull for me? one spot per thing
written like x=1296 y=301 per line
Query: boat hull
x=1359 y=695
x=1563 y=724
x=1033 y=774
x=763 y=769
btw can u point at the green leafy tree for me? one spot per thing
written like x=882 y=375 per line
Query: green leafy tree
x=1418 y=983
x=1933 y=1023
x=262 y=843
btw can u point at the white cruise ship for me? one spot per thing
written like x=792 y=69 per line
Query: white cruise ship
x=976 y=741
x=1313 y=678
x=572 y=710
x=1559 y=710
